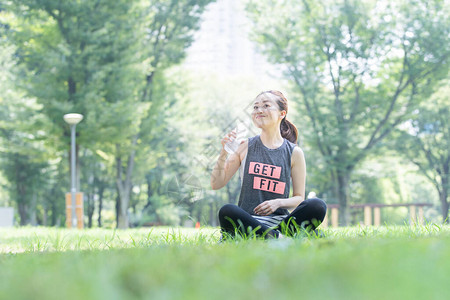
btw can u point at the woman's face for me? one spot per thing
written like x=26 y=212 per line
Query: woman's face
x=266 y=112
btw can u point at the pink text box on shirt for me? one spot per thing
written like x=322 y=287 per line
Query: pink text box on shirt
x=268 y=185
x=258 y=168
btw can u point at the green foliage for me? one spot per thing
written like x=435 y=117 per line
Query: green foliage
x=78 y=58
x=105 y=60
x=359 y=69
x=24 y=160
x=424 y=140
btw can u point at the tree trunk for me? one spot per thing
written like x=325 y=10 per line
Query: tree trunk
x=124 y=202
x=342 y=193
x=45 y=217
x=90 y=208
x=53 y=210
x=117 y=208
x=149 y=192
x=122 y=220
x=100 y=205
x=23 y=213
x=32 y=211
x=23 y=206
x=124 y=188
x=124 y=184
x=444 y=207
x=443 y=195
x=213 y=215
x=445 y=179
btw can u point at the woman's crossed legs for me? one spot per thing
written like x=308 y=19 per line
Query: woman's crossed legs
x=308 y=215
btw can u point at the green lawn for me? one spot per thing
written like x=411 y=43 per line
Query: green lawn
x=400 y=262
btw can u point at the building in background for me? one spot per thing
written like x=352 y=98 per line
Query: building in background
x=6 y=217
x=222 y=44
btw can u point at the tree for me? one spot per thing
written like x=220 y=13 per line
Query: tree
x=23 y=159
x=168 y=28
x=79 y=57
x=425 y=141
x=358 y=69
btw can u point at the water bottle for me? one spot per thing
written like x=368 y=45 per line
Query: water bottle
x=233 y=144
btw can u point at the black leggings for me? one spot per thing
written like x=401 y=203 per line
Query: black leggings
x=308 y=215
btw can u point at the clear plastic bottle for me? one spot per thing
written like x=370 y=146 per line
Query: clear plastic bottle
x=233 y=144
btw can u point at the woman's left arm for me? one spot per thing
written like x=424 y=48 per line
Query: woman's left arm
x=298 y=174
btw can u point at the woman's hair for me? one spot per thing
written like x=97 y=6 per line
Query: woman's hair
x=287 y=129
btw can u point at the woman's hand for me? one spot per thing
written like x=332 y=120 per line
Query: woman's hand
x=231 y=136
x=227 y=164
x=267 y=207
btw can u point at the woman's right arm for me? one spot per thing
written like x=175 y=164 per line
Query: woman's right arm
x=226 y=167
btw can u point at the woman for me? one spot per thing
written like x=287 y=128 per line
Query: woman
x=268 y=162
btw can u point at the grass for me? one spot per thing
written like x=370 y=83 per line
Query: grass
x=28 y=239
x=397 y=262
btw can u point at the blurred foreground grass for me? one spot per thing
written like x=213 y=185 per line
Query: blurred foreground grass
x=402 y=262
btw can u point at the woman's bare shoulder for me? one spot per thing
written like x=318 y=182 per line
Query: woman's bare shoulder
x=297 y=151
x=297 y=155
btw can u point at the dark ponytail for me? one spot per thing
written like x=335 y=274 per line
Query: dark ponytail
x=287 y=129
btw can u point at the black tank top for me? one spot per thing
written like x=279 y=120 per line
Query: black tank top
x=267 y=174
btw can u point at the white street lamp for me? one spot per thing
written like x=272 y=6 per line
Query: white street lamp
x=73 y=120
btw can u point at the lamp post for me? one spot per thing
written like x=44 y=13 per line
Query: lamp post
x=73 y=120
